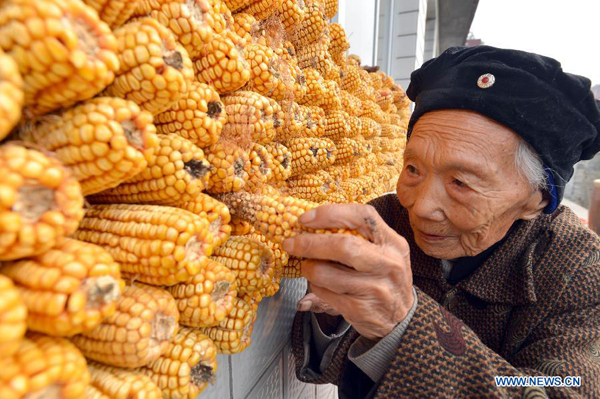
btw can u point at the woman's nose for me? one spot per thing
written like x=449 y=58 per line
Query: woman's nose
x=427 y=202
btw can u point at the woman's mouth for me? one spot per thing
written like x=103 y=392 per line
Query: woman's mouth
x=431 y=237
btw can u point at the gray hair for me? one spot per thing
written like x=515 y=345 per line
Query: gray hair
x=530 y=165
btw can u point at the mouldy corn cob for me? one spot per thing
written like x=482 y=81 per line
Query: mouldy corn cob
x=250 y=117
x=311 y=154
x=291 y=14
x=268 y=74
x=65 y=54
x=13 y=318
x=282 y=161
x=369 y=128
x=177 y=172
x=154 y=69
x=293 y=121
x=187 y=367
x=261 y=168
x=113 y=12
x=315 y=88
x=40 y=202
x=230 y=167
x=155 y=244
x=234 y=333
x=206 y=298
x=250 y=261
x=215 y=212
x=11 y=94
x=275 y=217
x=221 y=65
x=313 y=187
x=292 y=269
x=198 y=116
x=337 y=126
x=67 y=290
x=240 y=227
x=312 y=26
x=244 y=26
x=44 y=367
x=137 y=333
x=315 y=121
x=103 y=141
x=109 y=382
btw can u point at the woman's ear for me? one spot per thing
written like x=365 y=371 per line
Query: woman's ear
x=536 y=204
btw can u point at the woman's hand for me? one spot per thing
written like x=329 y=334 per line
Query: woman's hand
x=368 y=282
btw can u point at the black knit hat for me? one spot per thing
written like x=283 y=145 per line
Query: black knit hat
x=555 y=112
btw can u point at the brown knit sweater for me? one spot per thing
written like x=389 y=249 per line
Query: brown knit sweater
x=532 y=308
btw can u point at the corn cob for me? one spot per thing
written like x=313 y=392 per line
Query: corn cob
x=253 y=299
x=244 y=26
x=115 y=383
x=315 y=88
x=13 y=318
x=293 y=121
x=250 y=117
x=221 y=65
x=187 y=367
x=206 y=298
x=230 y=167
x=299 y=85
x=355 y=126
x=334 y=75
x=198 y=116
x=240 y=227
x=39 y=202
x=313 y=187
x=339 y=172
x=311 y=154
x=350 y=78
x=113 y=12
x=236 y=5
x=376 y=80
x=291 y=14
x=315 y=55
x=353 y=188
x=292 y=269
x=370 y=109
x=396 y=119
x=280 y=256
x=336 y=197
x=275 y=217
x=312 y=27
x=337 y=126
x=348 y=150
x=369 y=128
x=68 y=289
x=282 y=161
x=358 y=168
x=263 y=9
x=215 y=212
x=339 y=42
x=331 y=100
x=384 y=99
x=315 y=121
x=44 y=367
x=11 y=94
x=268 y=74
x=331 y=8
x=177 y=172
x=155 y=244
x=154 y=69
x=250 y=261
x=392 y=131
x=376 y=145
x=261 y=164
x=350 y=103
x=137 y=333
x=233 y=334
x=103 y=141
x=65 y=54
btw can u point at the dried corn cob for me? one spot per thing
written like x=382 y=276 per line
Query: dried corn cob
x=312 y=27
x=198 y=116
x=339 y=173
x=206 y=298
x=334 y=74
x=300 y=87
x=250 y=261
x=391 y=131
x=291 y=14
x=281 y=257
x=376 y=80
x=331 y=8
x=240 y=227
x=263 y=9
x=155 y=71
x=293 y=121
x=313 y=187
x=13 y=318
x=396 y=119
x=275 y=217
x=315 y=121
x=350 y=103
x=236 y=5
x=315 y=55
x=64 y=52
x=337 y=126
x=221 y=65
x=268 y=74
x=348 y=150
x=39 y=202
x=384 y=99
x=103 y=141
x=292 y=269
x=311 y=154
x=359 y=168
x=137 y=333
x=155 y=244
x=233 y=334
x=350 y=78
x=250 y=117
x=370 y=109
x=261 y=168
x=253 y=299
x=315 y=88
x=187 y=367
x=331 y=99
x=339 y=42
x=352 y=188
x=177 y=172
x=109 y=382
x=44 y=367
x=369 y=128
x=282 y=161
x=67 y=290
x=11 y=94
x=215 y=212
x=355 y=126
x=113 y=12
x=336 y=197
x=244 y=26
x=230 y=167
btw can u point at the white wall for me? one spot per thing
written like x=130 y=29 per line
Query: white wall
x=358 y=19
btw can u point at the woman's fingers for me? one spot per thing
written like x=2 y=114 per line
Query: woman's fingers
x=312 y=303
x=337 y=278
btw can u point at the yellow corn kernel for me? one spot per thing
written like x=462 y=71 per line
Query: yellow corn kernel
x=292 y=269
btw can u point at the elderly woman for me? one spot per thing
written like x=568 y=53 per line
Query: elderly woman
x=472 y=270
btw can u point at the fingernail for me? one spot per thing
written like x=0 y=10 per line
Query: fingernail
x=304 y=306
x=308 y=217
x=288 y=245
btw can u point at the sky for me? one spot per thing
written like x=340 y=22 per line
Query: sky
x=568 y=31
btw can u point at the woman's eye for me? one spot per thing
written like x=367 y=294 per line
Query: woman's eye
x=411 y=169
x=459 y=183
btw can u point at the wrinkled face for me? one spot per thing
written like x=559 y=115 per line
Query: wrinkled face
x=460 y=184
